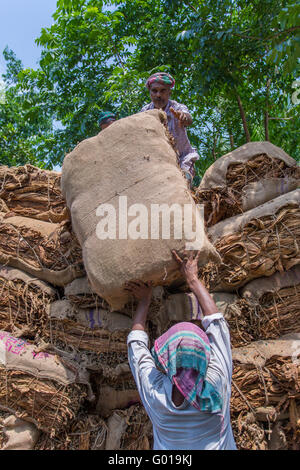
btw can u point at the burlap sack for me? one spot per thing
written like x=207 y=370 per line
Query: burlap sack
x=95 y=330
x=111 y=399
x=32 y=192
x=130 y=429
x=256 y=244
x=246 y=178
x=19 y=434
x=131 y=158
x=257 y=193
x=47 y=251
x=266 y=373
x=38 y=386
x=216 y=173
x=24 y=302
x=254 y=290
x=116 y=427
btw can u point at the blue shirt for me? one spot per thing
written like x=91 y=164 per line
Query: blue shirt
x=184 y=427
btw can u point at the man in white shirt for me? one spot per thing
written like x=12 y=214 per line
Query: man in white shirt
x=180 y=422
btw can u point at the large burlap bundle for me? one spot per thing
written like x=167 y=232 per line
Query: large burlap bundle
x=266 y=389
x=95 y=330
x=246 y=178
x=131 y=158
x=19 y=434
x=31 y=192
x=185 y=307
x=45 y=250
x=86 y=432
x=256 y=244
x=39 y=387
x=269 y=308
x=24 y=302
x=129 y=430
x=266 y=373
x=80 y=294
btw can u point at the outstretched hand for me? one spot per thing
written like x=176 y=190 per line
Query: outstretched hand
x=181 y=116
x=140 y=290
x=188 y=265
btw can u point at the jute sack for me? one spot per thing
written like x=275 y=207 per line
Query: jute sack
x=32 y=192
x=110 y=399
x=130 y=429
x=47 y=251
x=256 y=244
x=266 y=373
x=246 y=178
x=19 y=434
x=269 y=308
x=80 y=294
x=95 y=330
x=38 y=386
x=132 y=158
x=24 y=302
x=185 y=306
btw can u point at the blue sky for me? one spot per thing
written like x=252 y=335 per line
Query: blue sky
x=21 y=22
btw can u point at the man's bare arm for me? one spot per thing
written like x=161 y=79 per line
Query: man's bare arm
x=143 y=293
x=189 y=268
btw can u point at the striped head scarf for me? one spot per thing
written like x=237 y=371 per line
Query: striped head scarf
x=183 y=352
x=106 y=116
x=160 y=77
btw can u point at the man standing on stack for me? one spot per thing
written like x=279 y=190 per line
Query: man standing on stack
x=160 y=85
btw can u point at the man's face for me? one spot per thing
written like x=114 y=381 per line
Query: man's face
x=106 y=124
x=160 y=95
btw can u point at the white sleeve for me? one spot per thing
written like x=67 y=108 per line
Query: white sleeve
x=216 y=328
x=142 y=365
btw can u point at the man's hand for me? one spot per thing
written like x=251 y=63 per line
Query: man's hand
x=140 y=290
x=184 y=119
x=189 y=268
x=188 y=265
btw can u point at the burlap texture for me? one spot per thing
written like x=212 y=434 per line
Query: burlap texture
x=246 y=178
x=19 y=434
x=141 y=165
x=216 y=173
x=256 y=244
x=24 y=302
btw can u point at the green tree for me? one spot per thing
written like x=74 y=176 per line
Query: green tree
x=24 y=121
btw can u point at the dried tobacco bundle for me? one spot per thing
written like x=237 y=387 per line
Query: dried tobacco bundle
x=276 y=314
x=49 y=404
x=32 y=192
x=48 y=251
x=262 y=246
x=24 y=304
x=138 y=434
x=86 y=432
x=275 y=383
x=222 y=202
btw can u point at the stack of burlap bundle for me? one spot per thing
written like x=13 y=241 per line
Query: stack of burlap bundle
x=253 y=213
x=62 y=353
x=66 y=382
x=67 y=320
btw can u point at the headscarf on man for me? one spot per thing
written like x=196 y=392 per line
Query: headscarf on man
x=183 y=352
x=160 y=77
x=106 y=116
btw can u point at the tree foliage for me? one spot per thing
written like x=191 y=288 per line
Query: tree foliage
x=235 y=63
